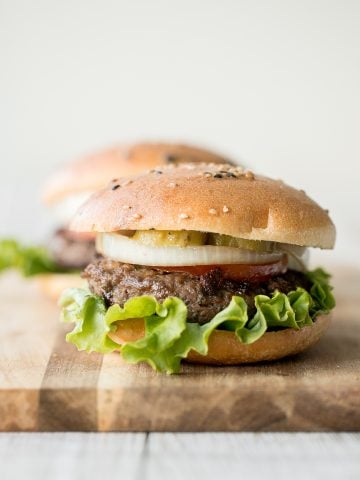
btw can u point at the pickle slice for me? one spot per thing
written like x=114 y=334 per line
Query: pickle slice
x=167 y=238
x=228 y=241
x=188 y=238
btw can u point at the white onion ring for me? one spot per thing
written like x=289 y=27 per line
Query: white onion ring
x=123 y=249
x=298 y=257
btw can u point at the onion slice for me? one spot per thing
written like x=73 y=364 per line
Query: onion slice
x=124 y=249
x=298 y=257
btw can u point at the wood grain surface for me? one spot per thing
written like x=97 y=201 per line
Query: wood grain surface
x=46 y=385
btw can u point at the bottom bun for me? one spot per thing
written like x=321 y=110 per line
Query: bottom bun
x=53 y=284
x=226 y=349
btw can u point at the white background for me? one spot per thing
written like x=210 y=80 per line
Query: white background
x=273 y=83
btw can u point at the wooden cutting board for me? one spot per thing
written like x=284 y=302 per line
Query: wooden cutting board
x=46 y=385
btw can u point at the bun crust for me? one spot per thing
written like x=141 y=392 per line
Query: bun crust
x=53 y=284
x=211 y=198
x=95 y=171
x=226 y=349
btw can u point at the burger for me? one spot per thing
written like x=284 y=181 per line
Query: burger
x=206 y=263
x=58 y=265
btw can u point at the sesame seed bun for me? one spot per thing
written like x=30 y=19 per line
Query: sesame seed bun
x=212 y=198
x=93 y=172
x=226 y=349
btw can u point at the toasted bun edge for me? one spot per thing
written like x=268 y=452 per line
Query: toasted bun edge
x=226 y=349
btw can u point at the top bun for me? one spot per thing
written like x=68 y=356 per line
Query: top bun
x=94 y=171
x=211 y=198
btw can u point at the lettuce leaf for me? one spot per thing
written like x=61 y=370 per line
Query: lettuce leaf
x=169 y=337
x=88 y=312
x=28 y=260
x=321 y=292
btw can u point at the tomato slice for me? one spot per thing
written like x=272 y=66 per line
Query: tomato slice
x=236 y=271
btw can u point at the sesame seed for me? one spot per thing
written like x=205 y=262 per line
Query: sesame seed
x=249 y=175
x=115 y=187
x=236 y=172
x=126 y=183
x=225 y=209
x=158 y=172
x=169 y=158
x=126 y=207
x=114 y=179
x=218 y=175
x=136 y=216
x=207 y=174
x=212 y=211
x=172 y=185
x=183 y=216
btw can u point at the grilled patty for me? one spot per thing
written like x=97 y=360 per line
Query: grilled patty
x=204 y=295
x=71 y=252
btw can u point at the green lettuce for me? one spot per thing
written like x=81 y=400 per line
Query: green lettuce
x=321 y=292
x=88 y=312
x=28 y=260
x=169 y=337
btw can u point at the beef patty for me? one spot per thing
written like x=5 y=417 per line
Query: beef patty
x=70 y=251
x=204 y=295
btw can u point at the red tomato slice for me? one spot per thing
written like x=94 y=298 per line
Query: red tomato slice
x=236 y=271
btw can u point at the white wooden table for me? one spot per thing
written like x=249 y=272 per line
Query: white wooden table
x=179 y=456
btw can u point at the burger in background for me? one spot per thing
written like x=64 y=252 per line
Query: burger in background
x=203 y=262
x=57 y=266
